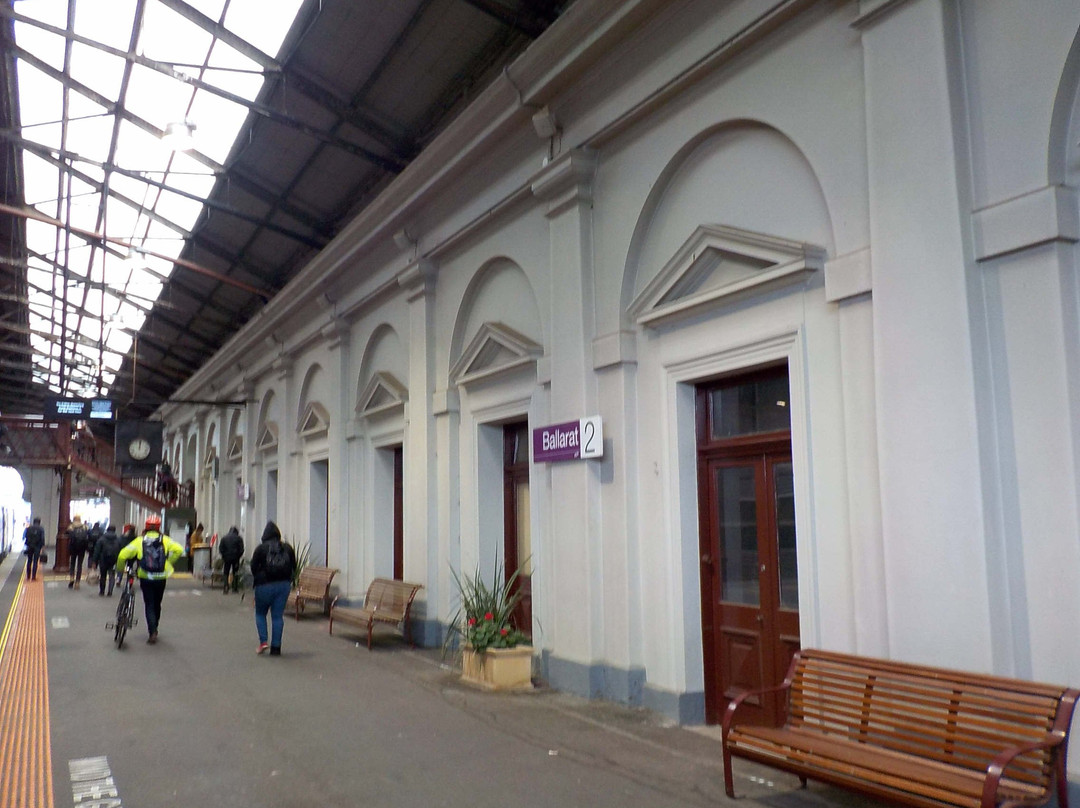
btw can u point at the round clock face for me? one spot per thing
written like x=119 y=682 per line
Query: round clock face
x=139 y=449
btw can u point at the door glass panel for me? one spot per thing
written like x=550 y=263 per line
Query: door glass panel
x=784 y=483
x=760 y=405
x=524 y=534
x=738 y=535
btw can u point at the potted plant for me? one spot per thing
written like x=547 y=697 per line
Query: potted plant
x=495 y=654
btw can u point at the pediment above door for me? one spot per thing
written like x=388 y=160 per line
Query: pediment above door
x=382 y=395
x=717 y=265
x=496 y=349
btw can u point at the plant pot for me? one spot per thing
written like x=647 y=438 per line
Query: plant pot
x=498 y=668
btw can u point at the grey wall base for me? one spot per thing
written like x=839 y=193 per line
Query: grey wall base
x=621 y=685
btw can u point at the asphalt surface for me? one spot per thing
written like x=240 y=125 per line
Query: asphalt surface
x=200 y=720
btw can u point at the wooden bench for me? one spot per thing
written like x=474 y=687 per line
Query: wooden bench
x=313 y=586
x=386 y=601
x=912 y=734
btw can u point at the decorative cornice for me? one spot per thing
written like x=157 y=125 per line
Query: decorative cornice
x=872 y=12
x=418 y=279
x=566 y=181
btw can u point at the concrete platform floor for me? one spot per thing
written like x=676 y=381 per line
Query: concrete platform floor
x=200 y=720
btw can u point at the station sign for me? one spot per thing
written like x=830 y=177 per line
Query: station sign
x=573 y=440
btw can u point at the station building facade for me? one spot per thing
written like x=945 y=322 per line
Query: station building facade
x=814 y=266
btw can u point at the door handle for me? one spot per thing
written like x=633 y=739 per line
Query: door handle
x=707 y=560
x=760 y=617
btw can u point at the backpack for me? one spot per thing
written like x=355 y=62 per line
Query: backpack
x=278 y=563
x=77 y=539
x=153 y=554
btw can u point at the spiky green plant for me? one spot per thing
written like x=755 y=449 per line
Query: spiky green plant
x=302 y=554
x=483 y=619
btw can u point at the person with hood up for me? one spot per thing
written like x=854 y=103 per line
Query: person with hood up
x=231 y=548
x=104 y=555
x=272 y=566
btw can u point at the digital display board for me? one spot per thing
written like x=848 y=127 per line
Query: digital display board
x=79 y=409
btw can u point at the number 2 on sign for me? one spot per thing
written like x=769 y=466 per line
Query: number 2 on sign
x=591 y=431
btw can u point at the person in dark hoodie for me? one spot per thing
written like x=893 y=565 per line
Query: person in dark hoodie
x=231 y=548
x=106 y=549
x=272 y=567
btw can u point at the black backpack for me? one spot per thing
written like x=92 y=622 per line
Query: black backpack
x=77 y=539
x=278 y=563
x=153 y=553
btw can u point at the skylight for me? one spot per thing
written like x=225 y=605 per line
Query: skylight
x=113 y=204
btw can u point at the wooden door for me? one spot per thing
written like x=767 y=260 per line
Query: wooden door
x=749 y=575
x=517 y=536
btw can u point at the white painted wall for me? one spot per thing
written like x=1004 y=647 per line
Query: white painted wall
x=928 y=148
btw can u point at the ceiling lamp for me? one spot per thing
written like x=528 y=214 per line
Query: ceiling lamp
x=179 y=135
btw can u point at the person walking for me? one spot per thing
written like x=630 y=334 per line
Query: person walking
x=231 y=548
x=272 y=567
x=105 y=554
x=155 y=553
x=34 y=539
x=77 y=539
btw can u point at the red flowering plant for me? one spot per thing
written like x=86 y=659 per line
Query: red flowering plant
x=485 y=617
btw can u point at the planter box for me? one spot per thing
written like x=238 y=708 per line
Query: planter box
x=498 y=668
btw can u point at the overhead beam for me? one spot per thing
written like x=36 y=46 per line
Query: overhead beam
x=522 y=19
x=352 y=113
x=101 y=237
x=391 y=163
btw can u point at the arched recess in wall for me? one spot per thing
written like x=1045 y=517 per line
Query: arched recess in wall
x=1063 y=154
x=500 y=292
x=266 y=431
x=384 y=373
x=741 y=174
x=234 y=442
x=190 y=463
x=313 y=391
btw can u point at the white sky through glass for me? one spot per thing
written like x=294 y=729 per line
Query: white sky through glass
x=110 y=291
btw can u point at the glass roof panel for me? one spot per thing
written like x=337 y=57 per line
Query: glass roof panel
x=106 y=21
x=99 y=71
x=102 y=321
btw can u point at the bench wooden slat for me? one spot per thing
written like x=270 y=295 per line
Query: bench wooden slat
x=922 y=736
x=386 y=601
x=312 y=586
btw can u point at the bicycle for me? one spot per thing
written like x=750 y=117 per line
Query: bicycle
x=125 y=608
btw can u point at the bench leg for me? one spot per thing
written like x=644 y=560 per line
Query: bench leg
x=370 y=626
x=729 y=781
x=802 y=781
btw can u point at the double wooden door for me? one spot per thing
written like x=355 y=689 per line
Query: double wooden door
x=749 y=574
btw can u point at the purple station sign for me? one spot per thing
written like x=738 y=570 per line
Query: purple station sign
x=572 y=440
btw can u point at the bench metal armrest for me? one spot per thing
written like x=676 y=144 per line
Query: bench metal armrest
x=997 y=767
x=733 y=705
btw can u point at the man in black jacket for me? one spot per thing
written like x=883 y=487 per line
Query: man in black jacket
x=34 y=539
x=231 y=549
x=77 y=539
x=105 y=553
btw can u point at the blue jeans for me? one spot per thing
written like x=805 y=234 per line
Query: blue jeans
x=272 y=597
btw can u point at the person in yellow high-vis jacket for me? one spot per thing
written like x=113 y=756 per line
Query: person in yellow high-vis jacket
x=155 y=553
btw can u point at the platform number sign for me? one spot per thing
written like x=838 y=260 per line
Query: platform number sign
x=573 y=440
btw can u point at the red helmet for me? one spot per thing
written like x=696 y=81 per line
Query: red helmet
x=153 y=522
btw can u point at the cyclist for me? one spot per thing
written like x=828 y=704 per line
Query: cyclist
x=155 y=553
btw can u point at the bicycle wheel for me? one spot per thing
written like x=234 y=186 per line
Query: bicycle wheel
x=122 y=617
